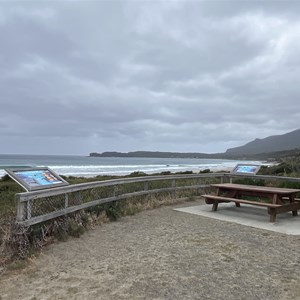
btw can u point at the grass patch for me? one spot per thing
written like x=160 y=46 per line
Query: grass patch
x=17 y=265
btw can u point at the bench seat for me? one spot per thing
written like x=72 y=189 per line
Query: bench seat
x=296 y=199
x=211 y=199
x=273 y=209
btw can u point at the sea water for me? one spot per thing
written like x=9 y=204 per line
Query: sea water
x=92 y=166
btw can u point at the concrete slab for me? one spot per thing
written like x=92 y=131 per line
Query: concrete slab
x=248 y=215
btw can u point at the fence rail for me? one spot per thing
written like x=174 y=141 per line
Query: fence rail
x=39 y=206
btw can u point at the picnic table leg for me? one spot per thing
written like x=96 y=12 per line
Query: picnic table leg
x=272 y=213
x=235 y=194
x=273 y=218
x=292 y=200
x=215 y=206
x=275 y=199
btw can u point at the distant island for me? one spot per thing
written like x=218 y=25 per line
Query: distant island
x=155 y=154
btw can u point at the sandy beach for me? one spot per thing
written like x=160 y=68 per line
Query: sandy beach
x=163 y=254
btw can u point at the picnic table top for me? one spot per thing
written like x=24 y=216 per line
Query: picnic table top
x=256 y=188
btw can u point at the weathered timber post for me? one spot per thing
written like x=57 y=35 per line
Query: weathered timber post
x=222 y=179
x=28 y=209
x=146 y=185
x=174 y=188
x=20 y=209
x=199 y=182
x=115 y=191
x=146 y=188
x=66 y=200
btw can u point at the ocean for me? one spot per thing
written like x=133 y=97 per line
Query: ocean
x=92 y=166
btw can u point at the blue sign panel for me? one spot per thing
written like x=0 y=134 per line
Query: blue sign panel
x=36 y=178
x=246 y=169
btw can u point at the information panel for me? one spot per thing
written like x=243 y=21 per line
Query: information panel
x=32 y=179
x=246 y=169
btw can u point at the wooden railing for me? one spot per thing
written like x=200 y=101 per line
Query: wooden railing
x=40 y=206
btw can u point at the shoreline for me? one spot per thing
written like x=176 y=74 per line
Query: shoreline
x=84 y=168
x=192 y=171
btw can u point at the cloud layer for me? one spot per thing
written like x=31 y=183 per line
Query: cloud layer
x=84 y=76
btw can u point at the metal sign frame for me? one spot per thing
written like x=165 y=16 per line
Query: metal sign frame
x=246 y=169
x=33 y=179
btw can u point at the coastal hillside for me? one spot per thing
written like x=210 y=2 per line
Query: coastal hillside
x=288 y=141
x=272 y=147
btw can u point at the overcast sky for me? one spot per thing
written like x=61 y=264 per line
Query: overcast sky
x=184 y=76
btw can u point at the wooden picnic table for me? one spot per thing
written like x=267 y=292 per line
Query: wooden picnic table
x=279 y=200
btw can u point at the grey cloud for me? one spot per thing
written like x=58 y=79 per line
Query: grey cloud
x=175 y=76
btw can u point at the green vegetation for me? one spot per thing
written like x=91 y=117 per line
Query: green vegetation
x=8 y=189
x=288 y=166
x=17 y=242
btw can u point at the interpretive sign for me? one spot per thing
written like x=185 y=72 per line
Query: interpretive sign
x=32 y=179
x=246 y=169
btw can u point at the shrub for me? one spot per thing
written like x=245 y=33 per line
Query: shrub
x=114 y=210
x=205 y=171
x=75 y=229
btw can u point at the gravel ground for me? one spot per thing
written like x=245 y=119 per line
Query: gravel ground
x=163 y=254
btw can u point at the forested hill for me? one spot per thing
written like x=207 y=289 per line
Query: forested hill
x=271 y=156
x=270 y=148
x=284 y=142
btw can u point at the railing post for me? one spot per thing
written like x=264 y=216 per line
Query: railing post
x=222 y=179
x=66 y=200
x=174 y=188
x=199 y=182
x=146 y=188
x=225 y=180
x=115 y=192
x=146 y=185
x=20 y=208
x=28 y=209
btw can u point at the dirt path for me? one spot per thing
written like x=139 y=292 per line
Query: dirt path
x=163 y=254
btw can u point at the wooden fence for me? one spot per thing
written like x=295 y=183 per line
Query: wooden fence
x=39 y=206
